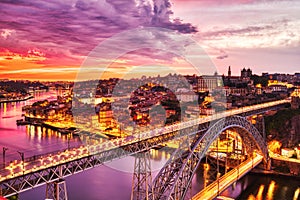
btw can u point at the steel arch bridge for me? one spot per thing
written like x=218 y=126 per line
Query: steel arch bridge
x=174 y=179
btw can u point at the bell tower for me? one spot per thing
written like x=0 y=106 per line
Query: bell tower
x=229 y=71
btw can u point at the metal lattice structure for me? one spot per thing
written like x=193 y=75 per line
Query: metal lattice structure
x=57 y=190
x=173 y=180
x=178 y=171
x=260 y=125
x=37 y=178
x=142 y=179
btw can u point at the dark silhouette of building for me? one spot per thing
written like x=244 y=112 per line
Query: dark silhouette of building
x=246 y=73
x=229 y=72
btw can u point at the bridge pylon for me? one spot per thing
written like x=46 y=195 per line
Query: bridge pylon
x=142 y=178
x=57 y=190
x=260 y=125
x=268 y=164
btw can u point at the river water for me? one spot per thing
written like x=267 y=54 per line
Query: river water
x=113 y=181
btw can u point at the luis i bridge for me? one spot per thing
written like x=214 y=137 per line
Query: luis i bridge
x=202 y=144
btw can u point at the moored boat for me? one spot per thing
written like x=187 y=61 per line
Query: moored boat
x=21 y=122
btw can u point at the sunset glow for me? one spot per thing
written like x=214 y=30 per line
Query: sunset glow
x=51 y=40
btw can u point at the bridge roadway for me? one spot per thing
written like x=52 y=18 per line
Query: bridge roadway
x=215 y=188
x=18 y=175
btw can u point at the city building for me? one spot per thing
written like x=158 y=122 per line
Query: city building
x=185 y=95
x=209 y=82
x=287 y=152
x=246 y=73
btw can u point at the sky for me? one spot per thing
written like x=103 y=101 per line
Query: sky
x=61 y=40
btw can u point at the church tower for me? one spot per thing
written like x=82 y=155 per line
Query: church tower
x=229 y=72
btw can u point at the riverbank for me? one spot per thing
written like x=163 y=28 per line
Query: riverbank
x=274 y=173
x=63 y=130
x=17 y=99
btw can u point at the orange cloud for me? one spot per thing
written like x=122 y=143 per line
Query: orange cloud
x=30 y=66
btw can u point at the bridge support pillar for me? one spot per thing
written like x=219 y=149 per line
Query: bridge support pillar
x=142 y=179
x=268 y=164
x=57 y=190
x=260 y=125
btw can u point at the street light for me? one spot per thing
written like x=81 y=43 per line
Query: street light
x=3 y=152
x=22 y=156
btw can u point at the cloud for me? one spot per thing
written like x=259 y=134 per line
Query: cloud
x=78 y=26
x=62 y=33
x=219 y=2
x=276 y=34
x=5 y=33
x=222 y=56
x=65 y=32
x=237 y=31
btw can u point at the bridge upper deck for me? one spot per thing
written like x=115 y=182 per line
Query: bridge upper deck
x=111 y=148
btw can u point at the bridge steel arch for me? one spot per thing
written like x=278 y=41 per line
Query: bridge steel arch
x=173 y=181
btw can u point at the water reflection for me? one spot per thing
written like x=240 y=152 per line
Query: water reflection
x=268 y=187
x=259 y=195
x=29 y=139
x=4 y=109
x=296 y=194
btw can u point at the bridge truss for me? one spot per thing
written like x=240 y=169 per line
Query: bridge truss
x=173 y=180
x=178 y=170
x=35 y=177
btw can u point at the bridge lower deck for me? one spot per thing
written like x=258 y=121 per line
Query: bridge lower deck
x=214 y=189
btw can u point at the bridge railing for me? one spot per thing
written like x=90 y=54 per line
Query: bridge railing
x=227 y=179
x=118 y=142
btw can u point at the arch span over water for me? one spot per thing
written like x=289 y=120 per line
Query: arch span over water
x=173 y=181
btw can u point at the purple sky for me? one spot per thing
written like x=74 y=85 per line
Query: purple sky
x=51 y=39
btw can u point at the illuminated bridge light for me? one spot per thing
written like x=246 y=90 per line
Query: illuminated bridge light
x=71 y=155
